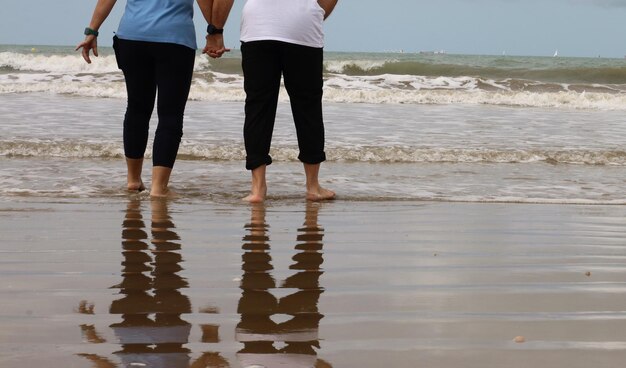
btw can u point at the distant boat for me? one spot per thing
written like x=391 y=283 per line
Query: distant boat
x=436 y=52
x=556 y=53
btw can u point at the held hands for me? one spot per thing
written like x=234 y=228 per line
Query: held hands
x=90 y=43
x=215 y=46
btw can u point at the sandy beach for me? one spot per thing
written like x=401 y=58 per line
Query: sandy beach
x=130 y=282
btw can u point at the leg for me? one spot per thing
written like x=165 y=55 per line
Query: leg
x=134 y=181
x=262 y=73
x=174 y=71
x=160 y=180
x=259 y=186
x=138 y=70
x=262 y=76
x=314 y=191
x=303 y=70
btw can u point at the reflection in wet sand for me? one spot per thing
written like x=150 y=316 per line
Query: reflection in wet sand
x=151 y=286
x=152 y=331
x=280 y=331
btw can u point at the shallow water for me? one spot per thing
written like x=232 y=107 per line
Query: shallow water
x=67 y=146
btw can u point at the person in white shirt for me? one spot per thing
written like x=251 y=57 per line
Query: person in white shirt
x=284 y=38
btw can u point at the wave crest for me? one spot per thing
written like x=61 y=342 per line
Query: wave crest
x=367 y=154
x=392 y=81
x=496 y=69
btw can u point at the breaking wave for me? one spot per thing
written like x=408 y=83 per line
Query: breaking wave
x=368 y=154
x=524 y=82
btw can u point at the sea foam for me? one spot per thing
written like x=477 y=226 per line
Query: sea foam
x=225 y=151
x=372 y=81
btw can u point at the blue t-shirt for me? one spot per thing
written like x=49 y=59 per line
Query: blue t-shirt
x=169 y=21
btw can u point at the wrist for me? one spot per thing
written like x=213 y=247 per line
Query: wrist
x=91 y=32
x=211 y=29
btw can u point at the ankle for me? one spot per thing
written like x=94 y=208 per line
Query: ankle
x=158 y=188
x=135 y=185
x=313 y=186
x=161 y=192
x=259 y=188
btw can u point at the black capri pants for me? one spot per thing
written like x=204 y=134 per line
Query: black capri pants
x=264 y=62
x=150 y=67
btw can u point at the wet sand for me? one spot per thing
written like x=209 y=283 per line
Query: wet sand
x=130 y=282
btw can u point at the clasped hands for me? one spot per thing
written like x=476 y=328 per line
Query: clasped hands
x=215 y=46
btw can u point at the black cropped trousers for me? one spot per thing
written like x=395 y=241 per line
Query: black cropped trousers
x=151 y=67
x=264 y=63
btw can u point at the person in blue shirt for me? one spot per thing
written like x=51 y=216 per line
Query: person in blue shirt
x=155 y=48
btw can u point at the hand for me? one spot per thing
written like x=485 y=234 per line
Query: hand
x=215 y=46
x=90 y=43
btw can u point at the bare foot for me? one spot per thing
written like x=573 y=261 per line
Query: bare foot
x=256 y=196
x=136 y=186
x=258 y=189
x=321 y=194
x=162 y=193
x=253 y=198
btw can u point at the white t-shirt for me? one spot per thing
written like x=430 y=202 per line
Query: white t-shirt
x=293 y=21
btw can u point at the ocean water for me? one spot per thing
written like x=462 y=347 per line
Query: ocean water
x=399 y=127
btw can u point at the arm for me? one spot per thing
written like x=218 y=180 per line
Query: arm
x=328 y=6
x=221 y=10
x=102 y=11
x=215 y=12
x=206 y=7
